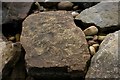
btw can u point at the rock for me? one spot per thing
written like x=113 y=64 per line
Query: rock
x=65 y=5
x=2 y=47
x=17 y=36
x=96 y=46
x=89 y=37
x=51 y=39
x=91 y=42
x=101 y=38
x=11 y=38
x=92 y=30
x=74 y=14
x=92 y=50
x=15 y=11
x=13 y=64
x=95 y=37
x=104 y=14
x=83 y=4
x=105 y=63
x=0 y=13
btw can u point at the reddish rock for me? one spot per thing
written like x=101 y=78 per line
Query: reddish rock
x=51 y=39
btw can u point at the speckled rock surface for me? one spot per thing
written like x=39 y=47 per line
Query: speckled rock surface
x=105 y=63
x=104 y=14
x=51 y=39
x=13 y=63
x=2 y=47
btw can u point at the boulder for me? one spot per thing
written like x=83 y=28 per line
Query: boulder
x=2 y=47
x=104 y=14
x=14 y=10
x=12 y=64
x=51 y=39
x=105 y=63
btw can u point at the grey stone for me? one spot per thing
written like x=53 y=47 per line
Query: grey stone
x=105 y=63
x=15 y=10
x=104 y=14
x=77 y=0
x=51 y=39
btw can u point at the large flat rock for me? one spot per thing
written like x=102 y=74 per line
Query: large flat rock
x=104 y=14
x=105 y=63
x=51 y=39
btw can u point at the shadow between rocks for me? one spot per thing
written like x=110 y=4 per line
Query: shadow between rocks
x=55 y=73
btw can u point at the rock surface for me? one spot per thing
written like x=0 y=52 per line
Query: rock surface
x=51 y=39
x=65 y=5
x=13 y=63
x=15 y=10
x=2 y=47
x=104 y=14
x=105 y=63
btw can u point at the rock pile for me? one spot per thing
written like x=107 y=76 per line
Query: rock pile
x=62 y=40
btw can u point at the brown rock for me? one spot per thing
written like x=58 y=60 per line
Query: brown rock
x=65 y=5
x=105 y=63
x=13 y=64
x=92 y=30
x=51 y=39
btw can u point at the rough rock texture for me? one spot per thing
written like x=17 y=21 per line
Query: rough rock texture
x=105 y=63
x=2 y=47
x=104 y=14
x=51 y=39
x=65 y=5
x=12 y=64
x=15 y=10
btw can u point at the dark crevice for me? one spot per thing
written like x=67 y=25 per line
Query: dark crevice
x=88 y=63
x=55 y=73
x=85 y=5
x=110 y=29
x=83 y=25
x=104 y=31
x=32 y=9
x=12 y=28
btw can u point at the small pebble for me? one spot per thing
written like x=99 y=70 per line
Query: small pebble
x=95 y=37
x=92 y=50
x=96 y=46
x=91 y=42
x=101 y=38
x=89 y=37
x=74 y=14
x=92 y=30
x=65 y=5
x=11 y=38
x=17 y=36
x=75 y=7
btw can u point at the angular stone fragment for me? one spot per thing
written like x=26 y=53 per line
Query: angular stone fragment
x=13 y=63
x=105 y=63
x=51 y=39
x=104 y=14
x=15 y=10
x=2 y=47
